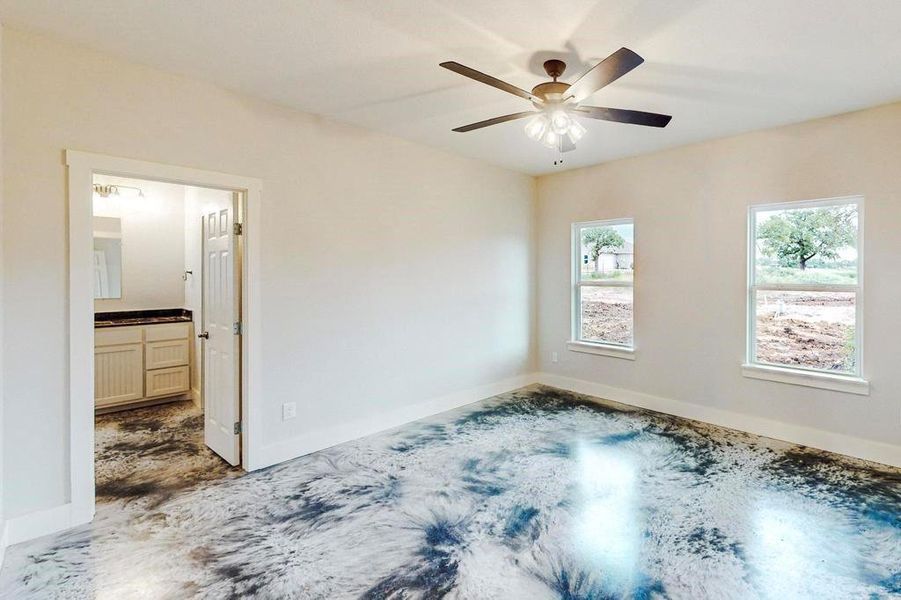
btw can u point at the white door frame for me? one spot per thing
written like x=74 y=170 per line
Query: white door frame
x=82 y=166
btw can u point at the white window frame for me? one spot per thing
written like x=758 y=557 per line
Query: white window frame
x=576 y=343
x=848 y=382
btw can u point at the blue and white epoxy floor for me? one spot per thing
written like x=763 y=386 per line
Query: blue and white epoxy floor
x=533 y=494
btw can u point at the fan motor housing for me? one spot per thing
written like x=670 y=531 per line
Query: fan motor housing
x=551 y=92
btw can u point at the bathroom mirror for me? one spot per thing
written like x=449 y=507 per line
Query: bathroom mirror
x=107 y=257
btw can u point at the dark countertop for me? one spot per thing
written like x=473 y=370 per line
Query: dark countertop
x=154 y=316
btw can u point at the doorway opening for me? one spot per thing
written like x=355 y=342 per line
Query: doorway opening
x=167 y=328
x=163 y=328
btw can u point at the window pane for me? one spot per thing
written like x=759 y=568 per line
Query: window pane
x=606 y=252
x=606 y=314
x=807 y=245
x=813 y=330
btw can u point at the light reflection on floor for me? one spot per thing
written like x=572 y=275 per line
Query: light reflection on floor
x=533 y=494
x=608 y=527
x=801 y=550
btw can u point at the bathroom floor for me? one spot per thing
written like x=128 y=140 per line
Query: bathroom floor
x=533 y=494
x=147 y=455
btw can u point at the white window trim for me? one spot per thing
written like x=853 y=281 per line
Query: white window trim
x=576 y=343
x=846 y=382
x=613 y=350
x=815 y=379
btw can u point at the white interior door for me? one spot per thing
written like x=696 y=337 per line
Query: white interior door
x=221 y=339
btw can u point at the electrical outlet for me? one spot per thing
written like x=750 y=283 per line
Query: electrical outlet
x=289 y=410
x=553 y=357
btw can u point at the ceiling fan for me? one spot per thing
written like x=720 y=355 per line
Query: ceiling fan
x=556 y=104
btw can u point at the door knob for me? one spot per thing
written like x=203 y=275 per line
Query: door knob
x=205 y=335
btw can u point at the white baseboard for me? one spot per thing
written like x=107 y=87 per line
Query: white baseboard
x=39 y=523
x=815 y=438
x=319 y=440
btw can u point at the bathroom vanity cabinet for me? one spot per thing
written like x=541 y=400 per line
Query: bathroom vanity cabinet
x=141 y=363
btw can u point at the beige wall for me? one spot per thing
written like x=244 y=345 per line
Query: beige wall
x=690 y=208
x=153 y=244
x=392 y=273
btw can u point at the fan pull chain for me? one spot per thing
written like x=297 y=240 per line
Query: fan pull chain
x=558 y=162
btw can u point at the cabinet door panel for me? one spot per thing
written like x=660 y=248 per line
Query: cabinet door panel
x=118 y=374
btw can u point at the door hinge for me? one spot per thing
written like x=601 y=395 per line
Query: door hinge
x=237 y=427
x=238 y=328
x=238 y=228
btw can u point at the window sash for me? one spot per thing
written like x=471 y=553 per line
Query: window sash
x=603 y=283
x=754 y=287
x=579 y=337
x=806 y=287
x=858 y=337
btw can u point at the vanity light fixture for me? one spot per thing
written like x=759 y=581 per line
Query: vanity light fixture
x=123 y=191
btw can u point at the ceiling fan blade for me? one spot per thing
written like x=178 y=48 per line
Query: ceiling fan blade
x=622 y=115
x=605 y=72
x=495 y=121
x=488 y=79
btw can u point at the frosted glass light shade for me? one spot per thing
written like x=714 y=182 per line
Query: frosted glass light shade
x=576 y=131
x=550 y=126
x=551 y=139
x=536 y=127
x=560 y=122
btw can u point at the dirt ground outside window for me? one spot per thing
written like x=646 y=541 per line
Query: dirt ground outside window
x=814 y=330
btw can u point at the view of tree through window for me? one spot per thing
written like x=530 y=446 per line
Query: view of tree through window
x=805 y=286
x=604 y=252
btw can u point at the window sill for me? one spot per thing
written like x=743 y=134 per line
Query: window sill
x=602 y=350
x=825 y=381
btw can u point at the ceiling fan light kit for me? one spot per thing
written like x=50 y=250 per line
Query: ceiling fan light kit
x=553 y=123
x=550 y=129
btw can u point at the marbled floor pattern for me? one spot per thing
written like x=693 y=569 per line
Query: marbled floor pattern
x=533 y=494
x=147 y=455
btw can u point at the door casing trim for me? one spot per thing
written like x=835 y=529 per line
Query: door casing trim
x=82 y=166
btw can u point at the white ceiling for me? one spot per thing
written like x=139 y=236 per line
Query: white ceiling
x=718 y=66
